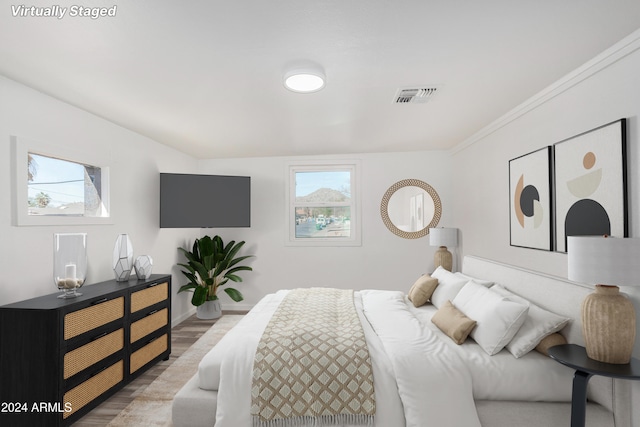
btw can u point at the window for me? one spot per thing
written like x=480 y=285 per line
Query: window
x=323 y=204
x=54 y=190
x=63 y=188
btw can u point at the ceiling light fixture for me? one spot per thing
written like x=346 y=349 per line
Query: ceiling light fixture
x=304 y=81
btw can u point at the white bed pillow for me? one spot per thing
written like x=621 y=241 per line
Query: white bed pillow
x=539 y=324
x=448 y=286
x=498 y=318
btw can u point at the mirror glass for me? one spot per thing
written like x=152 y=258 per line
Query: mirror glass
x=410 y=207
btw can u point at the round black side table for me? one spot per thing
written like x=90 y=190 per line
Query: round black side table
x=575 y=357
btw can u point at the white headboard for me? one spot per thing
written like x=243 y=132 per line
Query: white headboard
x=552 y=293
x=562 y=297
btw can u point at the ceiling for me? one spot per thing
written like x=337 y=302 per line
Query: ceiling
x=205 y=76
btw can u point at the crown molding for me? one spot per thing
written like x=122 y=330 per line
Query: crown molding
x=623 y=48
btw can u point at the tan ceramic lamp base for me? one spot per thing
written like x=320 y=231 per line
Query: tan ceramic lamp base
x=608 y=325
x=444 y=258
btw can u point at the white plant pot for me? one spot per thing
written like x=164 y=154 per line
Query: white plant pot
x=209 y=310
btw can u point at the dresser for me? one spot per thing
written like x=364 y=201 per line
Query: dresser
x=59 y=358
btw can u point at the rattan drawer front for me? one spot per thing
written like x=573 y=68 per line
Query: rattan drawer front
x=143 y=356
x=148 y=324
x=85 y=356
x=81 y=321
x=84 y=393
x=148 y=297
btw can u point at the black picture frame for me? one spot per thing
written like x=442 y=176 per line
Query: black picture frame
x=531 y=200
x=590 y=184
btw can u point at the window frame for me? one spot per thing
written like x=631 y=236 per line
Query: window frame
x=353 y=166
x=22 y=147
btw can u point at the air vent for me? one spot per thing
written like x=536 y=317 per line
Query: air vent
x=415 y=95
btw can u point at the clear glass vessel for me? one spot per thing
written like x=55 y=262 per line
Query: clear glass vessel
x=69 y=262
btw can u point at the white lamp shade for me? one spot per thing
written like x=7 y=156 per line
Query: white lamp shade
x=443 y=237
x=606 y=261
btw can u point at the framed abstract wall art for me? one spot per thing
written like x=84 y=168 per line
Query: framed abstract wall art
x=590 y=184
x=530 y=200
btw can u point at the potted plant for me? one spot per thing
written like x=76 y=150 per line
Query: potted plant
x=211 y=264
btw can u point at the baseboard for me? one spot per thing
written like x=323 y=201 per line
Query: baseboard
x=177 y=320
x=225 y=307
x=236 y=307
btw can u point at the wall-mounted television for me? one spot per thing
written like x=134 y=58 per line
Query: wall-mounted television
x=203 y=201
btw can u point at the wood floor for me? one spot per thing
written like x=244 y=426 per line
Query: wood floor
x=182 y=337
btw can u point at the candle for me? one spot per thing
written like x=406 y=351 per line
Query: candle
x=70 y=271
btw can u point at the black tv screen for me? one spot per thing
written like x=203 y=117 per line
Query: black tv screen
x=201 y=201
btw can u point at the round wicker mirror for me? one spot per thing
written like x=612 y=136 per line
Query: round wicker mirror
x=410 y=207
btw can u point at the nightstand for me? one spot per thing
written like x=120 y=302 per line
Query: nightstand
x=575 y=357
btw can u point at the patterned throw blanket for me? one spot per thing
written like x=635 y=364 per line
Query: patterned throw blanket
x=312 y=365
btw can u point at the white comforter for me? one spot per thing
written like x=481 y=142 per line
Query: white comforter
x=418 y=379
x=404 y=380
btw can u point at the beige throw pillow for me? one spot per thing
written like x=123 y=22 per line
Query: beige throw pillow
x=453 y=322
x=550 y=341
x=422 y=290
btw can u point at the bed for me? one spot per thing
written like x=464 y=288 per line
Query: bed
x=453 y=385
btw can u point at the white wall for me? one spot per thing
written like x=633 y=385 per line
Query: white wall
x=384 y=261
x=605 y=90
x=26 y=253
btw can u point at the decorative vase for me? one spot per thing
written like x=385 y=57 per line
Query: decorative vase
x=608 y=325
x=209 y=310
x=143 y=266
x=122 y=258
x=69 y=262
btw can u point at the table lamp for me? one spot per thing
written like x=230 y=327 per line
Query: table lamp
x=608 y=317
x=443 y=237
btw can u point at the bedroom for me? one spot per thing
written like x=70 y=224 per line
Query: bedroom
x=471 y=178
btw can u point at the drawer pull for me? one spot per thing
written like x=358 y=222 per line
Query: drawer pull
x=152 y=312
x=154 y=284
x=141 y=357
x=101 y=300
x=98 y=314
x=98 y=371
x=97 y=337
x=152 y=322
x=93 y=352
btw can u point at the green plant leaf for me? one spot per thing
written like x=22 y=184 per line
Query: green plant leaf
x=199 y=296
x=241 y=268
x=191 y=256
x=195 y=250
x=187 y=287
x=239 y=259
x=220 y=267
x=191 y=277
x=188 y=267
x=234 y=250
x=234 y=294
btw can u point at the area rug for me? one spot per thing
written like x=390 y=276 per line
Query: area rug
x=153 y=406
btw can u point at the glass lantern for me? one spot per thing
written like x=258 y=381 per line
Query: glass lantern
x=69 y=262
